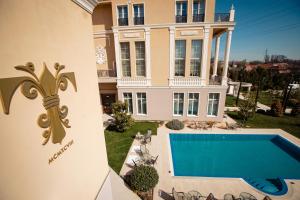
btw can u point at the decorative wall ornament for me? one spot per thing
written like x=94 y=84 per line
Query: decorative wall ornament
x=131 y=35
x=54 y=120
x=101 y=55
x=189 y=33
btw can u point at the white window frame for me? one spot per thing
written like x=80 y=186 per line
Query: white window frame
x=200 y=59
x=218 y=104
x=127 y=59
x=188 y=104
x=137 y=104
x=122 y=5
x=136 y=59
x=187 y=7
x=128 y=111
x=199 y=10
x=180 y=58
x=141 y=3
x=173 y=102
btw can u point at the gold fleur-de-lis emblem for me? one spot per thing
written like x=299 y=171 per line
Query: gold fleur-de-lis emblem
x=54 y=120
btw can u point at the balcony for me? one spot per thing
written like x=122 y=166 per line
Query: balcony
x=193 y=82
x=198 y=17
x=138 y=20
x=181 y=18
x=123 y=21
x=134 y=82
x=107 y=76
x=222 y=17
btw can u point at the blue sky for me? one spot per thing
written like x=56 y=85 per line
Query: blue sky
x=261 y=25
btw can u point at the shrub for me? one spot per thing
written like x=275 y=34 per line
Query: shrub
x=277 y=109
x=296 y=110
x=123 y=120
x=245 y=109
x=143 y=178
x=175 y=124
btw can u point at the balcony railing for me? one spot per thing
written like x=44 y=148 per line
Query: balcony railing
x=123 y=21
x=185 y=82
x=198 y=18
x=222 y=17
x=107 y=76
x=138 y=21
x=137 y=81
x=107 y=73
x=181 y=18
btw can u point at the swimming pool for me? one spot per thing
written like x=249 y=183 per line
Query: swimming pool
x=250 y=156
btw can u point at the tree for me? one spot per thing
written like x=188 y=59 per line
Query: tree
x=143 y=179
x=123 y=120
x=245 y=108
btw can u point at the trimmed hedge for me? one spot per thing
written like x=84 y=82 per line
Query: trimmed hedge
x=175 y=124
x=143 y=178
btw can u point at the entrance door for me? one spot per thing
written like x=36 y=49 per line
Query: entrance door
x=107 y=101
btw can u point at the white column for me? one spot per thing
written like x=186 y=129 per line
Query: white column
x=216 y=60
x=148 y=56
x=226 y=56
x=231 y=14
x=117 y=53
x=172 y=54
x=204 y=61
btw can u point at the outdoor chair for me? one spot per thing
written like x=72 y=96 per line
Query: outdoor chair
x=152 y=161
x=247 y=196
x=134 y=160
x=229 y=197
x=179 y=195
x=143 y=149
x=147 y=137
x=211 y=197
x=267 y=198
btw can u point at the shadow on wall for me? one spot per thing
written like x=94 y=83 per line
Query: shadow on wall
x=102 y=15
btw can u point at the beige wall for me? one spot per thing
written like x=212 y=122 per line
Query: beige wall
x=160 y=48
x=158 y=12
x=160 y=103
x=50 y=31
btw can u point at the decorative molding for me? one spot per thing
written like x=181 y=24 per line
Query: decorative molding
x=101 y=56
x=131 y=35
x=188 y=33
x=47 y=86
x=175 y=25
x=87 y=5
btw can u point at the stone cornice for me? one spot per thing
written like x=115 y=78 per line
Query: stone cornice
x=87 y=5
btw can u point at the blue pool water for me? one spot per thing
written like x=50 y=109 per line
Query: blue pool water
x=252 y=157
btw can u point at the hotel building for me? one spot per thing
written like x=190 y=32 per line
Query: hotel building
x=156 y=55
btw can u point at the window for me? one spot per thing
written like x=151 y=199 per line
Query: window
x=213 y=104
x=181 y=11
x=128 y=99
x=193 y=104
x=142 y=103
x=198 y=10
x=178 y=103
x=123 y=15
x=179 y=57
x=140 y=58
x=196 y=57
x=138 y=14
x=125 y=58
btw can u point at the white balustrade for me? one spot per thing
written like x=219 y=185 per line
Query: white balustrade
x=137 y=81
x=186 y=82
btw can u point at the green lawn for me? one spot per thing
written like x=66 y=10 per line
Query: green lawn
x=230 y=101
x=287 y=123
x=266 y=98
x=118 y=144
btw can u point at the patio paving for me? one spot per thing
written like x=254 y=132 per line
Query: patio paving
x=217 y=186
